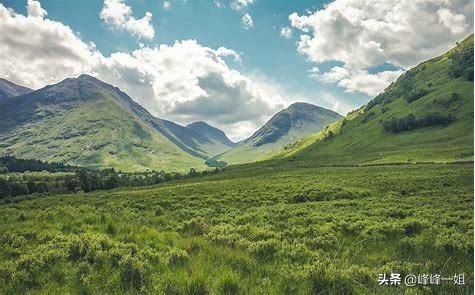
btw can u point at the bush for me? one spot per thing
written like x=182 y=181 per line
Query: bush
x=133 y=273
x=410 y=122
x=177 y=256
x=264 y=250
x=462 y=63
x=324 y=279
x=415 y=95
x=228 y=283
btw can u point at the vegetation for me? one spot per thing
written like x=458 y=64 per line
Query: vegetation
x=285 y=127
x=252 y=229
x=444 y=109
x=59 y=178
x=86 y=122
x=324 y=216
x=410 y=122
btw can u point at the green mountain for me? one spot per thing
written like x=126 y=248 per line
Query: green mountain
x=426 y=115
x=212 y=141
x=84 y=121
x=285 y=127
x=9 y=89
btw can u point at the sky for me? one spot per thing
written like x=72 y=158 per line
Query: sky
x=231 y=63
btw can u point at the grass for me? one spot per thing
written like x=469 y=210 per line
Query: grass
x=99 y=133
x=253 y=229
x=360 y=138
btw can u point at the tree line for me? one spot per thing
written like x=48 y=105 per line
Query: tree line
x=410 y=122
x=23 y=176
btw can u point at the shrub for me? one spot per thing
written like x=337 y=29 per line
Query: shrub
x=264 y=250
x=193 y=227
x=415 y=95
x=324 y=279
x=410 y=122
x=228 y=283
x=177 y=256
x=462 y=63
x=133 y=272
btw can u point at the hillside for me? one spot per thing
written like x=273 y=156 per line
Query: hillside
x=287 y=126
x=426 y=115
x=9 y=89
x=86 y=122
x=212 y=140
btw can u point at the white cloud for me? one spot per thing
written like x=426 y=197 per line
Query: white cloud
x=34 y=9
x=364 y=34
x=183 y=82
x=247 y=21
x=286 y=32
x=117 y=14
x=166 y=5
x=240 y=4
x=314 y=72
x=36 y=51
x=456 y=23
x=357 y=80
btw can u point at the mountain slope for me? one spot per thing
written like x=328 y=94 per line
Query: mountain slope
x=287 y=126
x=212 y=140
x=9 y=89
x=86 y=122
x=426 y=115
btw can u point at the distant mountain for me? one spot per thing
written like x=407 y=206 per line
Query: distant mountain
x=9 y=89
x=84 y=121
x=424 y=116
x=211 y=139
x=285 y=127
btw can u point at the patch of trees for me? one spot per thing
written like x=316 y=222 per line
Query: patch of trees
x=462 y=63
x=12 y=164
x=83 y=180
x=216 y=163
x=410 y=122
x=404 y=87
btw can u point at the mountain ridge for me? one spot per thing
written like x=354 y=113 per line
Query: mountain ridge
x=142 y=133
x=284 y=127
x=9 y=89
x=426 y=115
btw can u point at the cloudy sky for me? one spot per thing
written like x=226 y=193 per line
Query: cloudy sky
x=232 y=63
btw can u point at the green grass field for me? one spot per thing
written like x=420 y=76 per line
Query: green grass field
x=253 y=229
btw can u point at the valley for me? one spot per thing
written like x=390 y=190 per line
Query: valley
x=314 y=204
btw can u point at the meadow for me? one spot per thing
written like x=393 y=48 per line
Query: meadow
x=253 y=229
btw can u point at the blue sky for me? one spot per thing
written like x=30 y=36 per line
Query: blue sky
x=338 y=55
x=262 y=48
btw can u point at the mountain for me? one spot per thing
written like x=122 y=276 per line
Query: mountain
x=9 y=89
x=424 y=116
x=210 y=139
x=84 y=121
x=285 y=127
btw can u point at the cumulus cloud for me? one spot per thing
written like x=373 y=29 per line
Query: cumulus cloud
x=166 y=5
x=286 y=32
x=240 y=4
x=184 y=81
x=364 y=34
x=119 y=15
x=247 y=21
x=35 y=51
x=34 y=9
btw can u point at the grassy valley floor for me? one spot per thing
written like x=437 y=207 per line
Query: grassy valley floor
x=250 y=230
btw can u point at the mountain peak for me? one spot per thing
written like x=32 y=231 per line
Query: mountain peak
x=9 y=89
x=302 y=116
x=206 y=132
x=300 y=104
x=199 y=123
